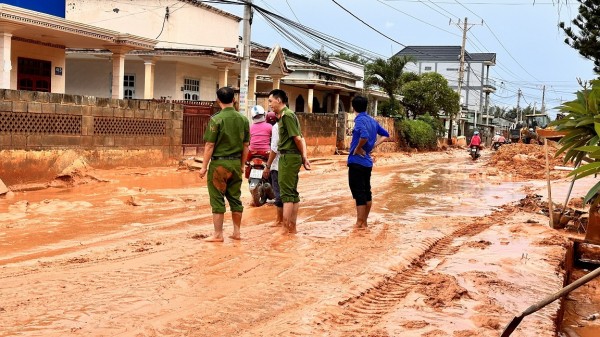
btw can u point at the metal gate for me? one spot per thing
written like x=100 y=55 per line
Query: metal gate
x=195 y=120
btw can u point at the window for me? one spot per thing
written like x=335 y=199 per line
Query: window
x=427 y=68
x=191 y=89
x=34 y=75
x=129 y=86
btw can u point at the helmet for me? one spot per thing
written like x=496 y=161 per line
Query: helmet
x=476 y=132
x=271 y=118
x=258 y=114
x=530 y=129
x=498 y=133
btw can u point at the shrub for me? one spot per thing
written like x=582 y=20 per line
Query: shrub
x=435 y=123
x=417 y=134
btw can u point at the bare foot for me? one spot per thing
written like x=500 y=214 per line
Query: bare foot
x=292 y=230
x=285 y=231
x=235 y=237
x=276 y=224
x=214 y=239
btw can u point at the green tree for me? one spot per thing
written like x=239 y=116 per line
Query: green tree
x=430 y=94
x=587 y=39
x=387 y=74
x=319 y=56
x=581 y=122
x=351 y=57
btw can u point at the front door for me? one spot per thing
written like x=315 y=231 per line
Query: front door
x=33 y=75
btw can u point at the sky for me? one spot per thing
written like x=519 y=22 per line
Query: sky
x=525 y=36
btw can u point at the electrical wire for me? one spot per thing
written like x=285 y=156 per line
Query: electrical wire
x=414 y=17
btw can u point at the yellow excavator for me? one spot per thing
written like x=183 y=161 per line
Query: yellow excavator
x=527 y=130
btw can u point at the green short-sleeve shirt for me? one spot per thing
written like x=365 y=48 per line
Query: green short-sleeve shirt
x=229 y=130
x=289 y=127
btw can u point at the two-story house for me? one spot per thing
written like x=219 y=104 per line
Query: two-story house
x=476 y=85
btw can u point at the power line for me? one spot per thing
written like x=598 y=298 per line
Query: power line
x=288 y=3
x=409 y=15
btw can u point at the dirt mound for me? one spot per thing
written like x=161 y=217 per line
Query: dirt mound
x=527 y=161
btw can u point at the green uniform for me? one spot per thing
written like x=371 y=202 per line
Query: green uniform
x=290 y=159
x=229 y=130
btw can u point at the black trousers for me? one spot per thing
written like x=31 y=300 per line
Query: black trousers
x=359 y=179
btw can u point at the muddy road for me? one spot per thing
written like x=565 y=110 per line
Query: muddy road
x=125 y=257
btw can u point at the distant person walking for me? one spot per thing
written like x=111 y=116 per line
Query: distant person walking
x=360 y=164
x=292 y=151
x=227 y=136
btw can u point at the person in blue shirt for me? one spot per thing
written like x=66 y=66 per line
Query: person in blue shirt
x=360 y=164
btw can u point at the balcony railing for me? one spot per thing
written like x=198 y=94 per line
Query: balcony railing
x=489 y=85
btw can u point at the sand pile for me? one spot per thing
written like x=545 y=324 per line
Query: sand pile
x=527 y=161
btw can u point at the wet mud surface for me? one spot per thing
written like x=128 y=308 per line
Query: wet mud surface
x=448 y=252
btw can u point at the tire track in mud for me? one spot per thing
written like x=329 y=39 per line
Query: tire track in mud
x=357 y=315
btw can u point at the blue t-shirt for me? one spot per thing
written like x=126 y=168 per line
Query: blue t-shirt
x=367 y=127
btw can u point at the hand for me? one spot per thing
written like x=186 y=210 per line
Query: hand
x=202 y=172
x=306 y=163
x=266 y=173
x=359 y=151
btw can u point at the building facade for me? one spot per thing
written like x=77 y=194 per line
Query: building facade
x=476 y=85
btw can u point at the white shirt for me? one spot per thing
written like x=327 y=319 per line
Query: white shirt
x=274 y=141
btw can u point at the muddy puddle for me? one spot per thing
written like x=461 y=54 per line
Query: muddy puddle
x=441 y=257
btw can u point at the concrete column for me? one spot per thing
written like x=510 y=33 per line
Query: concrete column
x=375 y=107
x=252 y=88
x=276 y=81
x=5 y=62
x=341 y=122
x=118 y=75
x=311 y=95
x=223 y=73
x=149 y=78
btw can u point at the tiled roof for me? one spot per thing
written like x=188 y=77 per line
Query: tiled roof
x=444 y=53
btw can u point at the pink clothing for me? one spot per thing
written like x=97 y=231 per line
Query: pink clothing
x=475 y=141
x=260 y=136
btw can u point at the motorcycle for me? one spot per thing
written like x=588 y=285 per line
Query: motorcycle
x=497 y=145
x=260 y=188
x=474 y=152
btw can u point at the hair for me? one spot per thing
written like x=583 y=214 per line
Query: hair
x=278 y=93
x=359 y=103
x=225 y=95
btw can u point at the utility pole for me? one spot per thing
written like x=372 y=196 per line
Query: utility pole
x=543 y=109
x=461 y=73
x=518 y=106
x=245 y=67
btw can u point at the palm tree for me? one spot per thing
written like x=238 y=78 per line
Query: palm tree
x=387 y=74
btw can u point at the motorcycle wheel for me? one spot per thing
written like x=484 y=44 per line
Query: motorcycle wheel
x=258 y=196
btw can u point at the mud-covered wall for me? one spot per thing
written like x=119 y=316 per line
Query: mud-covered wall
x=319 y=131
x=37 y=128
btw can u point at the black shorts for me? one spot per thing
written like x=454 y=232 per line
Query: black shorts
x=359 y=179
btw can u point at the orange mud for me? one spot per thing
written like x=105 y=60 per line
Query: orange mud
x=448 y=252
x=526 y=161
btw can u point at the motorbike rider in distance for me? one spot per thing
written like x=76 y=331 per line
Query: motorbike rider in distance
x=475 y=143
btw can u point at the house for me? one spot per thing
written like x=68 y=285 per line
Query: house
x=197 y=51
x=35 y=37
x=476 y=85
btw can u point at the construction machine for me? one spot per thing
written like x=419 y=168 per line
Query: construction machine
x=527 y=131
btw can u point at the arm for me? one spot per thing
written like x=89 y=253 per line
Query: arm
x=359 y=150
x=380 y=140
x=383 y=135
x=301 y=144
x=267 y=170
x=208 y=151
x=244 y=155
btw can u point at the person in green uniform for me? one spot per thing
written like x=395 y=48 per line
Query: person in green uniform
x=227 y=137
x=292 y=151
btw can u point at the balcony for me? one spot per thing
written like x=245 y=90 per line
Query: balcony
x=489 y=86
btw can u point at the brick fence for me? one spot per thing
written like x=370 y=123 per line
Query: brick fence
x=107 y=132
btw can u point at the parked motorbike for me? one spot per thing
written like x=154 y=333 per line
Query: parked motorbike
x=474 y=152
x=260 y=188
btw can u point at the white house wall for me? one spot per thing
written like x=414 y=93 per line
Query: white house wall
x=188 y=26
x=39 y=52
x=208 y=80
x=89 y=77
x=471 y=92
